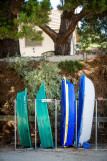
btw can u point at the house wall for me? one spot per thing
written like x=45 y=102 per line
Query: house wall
x=46 y=45
x=73 y=44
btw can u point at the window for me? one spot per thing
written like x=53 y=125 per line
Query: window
x=30 y=43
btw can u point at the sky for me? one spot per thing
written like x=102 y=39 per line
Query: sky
x=55 y=3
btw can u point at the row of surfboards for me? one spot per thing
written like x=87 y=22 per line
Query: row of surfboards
x=68 y=115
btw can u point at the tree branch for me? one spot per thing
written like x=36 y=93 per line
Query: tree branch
x=75 y=19
x=49 y=32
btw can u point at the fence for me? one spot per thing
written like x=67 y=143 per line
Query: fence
x=97 y=120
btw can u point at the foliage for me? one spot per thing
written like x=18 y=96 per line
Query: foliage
x=8 y=12
x=21 y=66
x=93 y=31
x=70 y=5
x=71 y=66
x=34 y=13
x=47 y=73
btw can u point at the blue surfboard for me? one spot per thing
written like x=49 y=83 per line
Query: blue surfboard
x=81 y=106
x=68 y=112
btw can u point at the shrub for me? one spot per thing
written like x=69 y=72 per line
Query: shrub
x=22 y=66
x=48 y=73
x=71 y=66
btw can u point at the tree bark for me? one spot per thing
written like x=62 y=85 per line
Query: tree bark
x=49 y=32
x=9 y=47
x=63 y=48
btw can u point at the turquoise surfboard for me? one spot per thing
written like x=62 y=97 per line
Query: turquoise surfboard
x=43 y=120
x=22 y=119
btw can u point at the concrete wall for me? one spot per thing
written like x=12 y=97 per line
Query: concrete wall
x=54 y=58
x=71 y=57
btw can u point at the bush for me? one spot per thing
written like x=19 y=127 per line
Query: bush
x=48 y=73
x=71 y=66
x=22 y=66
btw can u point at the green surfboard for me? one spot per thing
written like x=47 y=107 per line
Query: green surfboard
x=43 y=120
x=22 y=119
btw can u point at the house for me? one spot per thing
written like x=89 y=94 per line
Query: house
x=36 y=48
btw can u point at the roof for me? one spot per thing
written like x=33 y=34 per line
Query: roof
x=55 y=17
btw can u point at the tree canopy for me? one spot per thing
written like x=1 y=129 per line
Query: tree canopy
x=8 y=12
x=93 y=31
x=34 y=13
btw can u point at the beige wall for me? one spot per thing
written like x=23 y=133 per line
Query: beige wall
x=73 y=44
x=47 y=45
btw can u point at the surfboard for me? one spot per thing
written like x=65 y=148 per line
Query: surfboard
x=68 y=111
x=43 y=120
x=85 y=110
x=22 y=119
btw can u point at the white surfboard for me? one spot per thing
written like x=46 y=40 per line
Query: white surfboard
x=86 y=109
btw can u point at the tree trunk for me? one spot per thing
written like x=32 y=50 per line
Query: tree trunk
x=63 y=48
x=9 y=47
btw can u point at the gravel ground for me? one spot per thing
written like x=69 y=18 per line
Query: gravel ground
x=8 y=154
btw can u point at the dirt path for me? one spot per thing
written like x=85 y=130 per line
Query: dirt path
x=60 y=155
